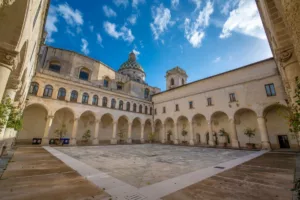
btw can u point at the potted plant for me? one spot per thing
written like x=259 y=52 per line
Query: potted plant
x=121 y=136
x=184 y=133
x=249 y=132
x=225 y=137
x=60 y=133
x=86 y=136
x=151 y=137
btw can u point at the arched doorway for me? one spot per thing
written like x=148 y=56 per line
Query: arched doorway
x=106 y=128
x=136 y=130
x=86 y=125
x=34 y=123
x=122 y=129
x=220 y=121
x=200 y=128
x=169 y=130
x=63 y=119
x=183 y=129
x=158 y=130
x=147 y=130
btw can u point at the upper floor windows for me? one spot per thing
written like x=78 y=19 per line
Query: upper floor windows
x=270 y=89
x=85 y=98
x=84 y=74
x=209 y=101
x=128 y=106
x=104 y=102
x=140 y=109
x=74 y=96
x=113 y=103
x=191 y=105
x=232 y=97
x=34 y=88
x=61 y=95
x=134 y=107
x=55 y=67
x=106 y=82
x=176 y=107
x=146 y=93
x=172 y=82
x=164 y=109
x=121 y=105
x=48 y=91
x=119 y=86
x=95 y=100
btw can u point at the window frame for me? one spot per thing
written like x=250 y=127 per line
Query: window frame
x=74 y=93
x=104 y=102
x=176 y=107
x=191 y=104
x=34 y=88
x=113 y=103
x=46 y=91
x=270 y=86
x=84 y=70
x=85 y=98
x=164 y=109
x=62 y=93
x=232 y=97
x=51 y=65
x=209 y=101
x=95 y=100
x=121 y=103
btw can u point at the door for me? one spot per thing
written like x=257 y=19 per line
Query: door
x=283 y=141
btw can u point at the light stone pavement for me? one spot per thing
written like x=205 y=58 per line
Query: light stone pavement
x=143 y=165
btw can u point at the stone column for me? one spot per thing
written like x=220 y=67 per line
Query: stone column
x=45 y=141
x=163 y=140
x=176 y=134
x=210 y=131
x=96 y=131
x=191 y=133
x=265 y=143
x=74 y=131
x=233 y=136
x=129 y=139
x=142 y=133
x=8 y=60
x=114 y=139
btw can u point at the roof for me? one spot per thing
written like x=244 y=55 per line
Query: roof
x=176 y=70
x=131 y=63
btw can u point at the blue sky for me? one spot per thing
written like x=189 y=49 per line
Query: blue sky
x=204 y=37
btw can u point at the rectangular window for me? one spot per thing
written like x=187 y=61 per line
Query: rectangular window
x=177 y=107
x=164 y=109
x=209 y=102
x=270 y=90
x=232 y=97
x=155 y=111
x=191 y=105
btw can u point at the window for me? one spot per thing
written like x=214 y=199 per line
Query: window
x=34 y=88
x=177 y=107
x=134 y=107
x=270 y=90
x=191 y=105
x=209 y=102
x=105 y=82
x=74 y=96
x=113 y=103
x=182 y=81
x=54 y=67
x=104 y=102
x=61 y=94
x=164 y=109
x=128 y=106
x=119 y=86
x=150 y=111
x=155 y=111
x=172 y=81
x=85 y=98
x=232 y=97
x=146 y=93
x=146 y=110
x=120 y=105
x=36 y=14
x=140 y=109
x=48 y=91
x=84 y=74
x=95 y=100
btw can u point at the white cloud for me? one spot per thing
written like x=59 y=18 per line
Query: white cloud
x=174 y=3
x=136 y=52
x=132 y=19
x=197 y=3
x=218 y=59
x=91 y=28
x=109 y=12
x=123 y=32
x=51 y=24
x=99 y=39
x=84 y=46
x=121 y=3
x=72 y=16
x=244 y=19
x=229 y=4
x=161 y=19
x=135 y=3
x=194 y=31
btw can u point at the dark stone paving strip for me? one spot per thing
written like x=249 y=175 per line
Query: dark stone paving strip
x=34 y=174
x=267 y=177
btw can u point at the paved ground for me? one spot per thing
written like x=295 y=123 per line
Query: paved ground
x=143 y=165
x=34 y=174
x=267 y=177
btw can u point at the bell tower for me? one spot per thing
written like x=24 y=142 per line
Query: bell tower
x=175 y=77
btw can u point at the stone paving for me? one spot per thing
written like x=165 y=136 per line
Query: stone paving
x=143 y=165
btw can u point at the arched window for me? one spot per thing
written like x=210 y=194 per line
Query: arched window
x=140 y=109
x=61 y=95
x=106 y=82
x=182 y=81
x=85 y=98
x=34 y=88
x=150 y=110
x=74 y=96
x=48 y=91
x=95 y=100
x=134 y=107
x=84 y=74
x=146 y=93
x=172 y=81
x=146 y=110
x=104 y=102
x=113 y=103
x=128 y=106
x=121 y=105
x=55 y=67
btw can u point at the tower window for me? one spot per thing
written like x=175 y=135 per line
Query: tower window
x=54 y=67
x=119 y=86
x=172 y=81
x=182 y=81
x=106 y=82
x=270 y=89
x=84 y=74
x=146 y=93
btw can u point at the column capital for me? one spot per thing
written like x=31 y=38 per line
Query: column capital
x=8 y=58
x=50 y=117
x=14 y=82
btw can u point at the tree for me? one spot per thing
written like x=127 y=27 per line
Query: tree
x=249 y=132
x=86 y=136
x=151 y=137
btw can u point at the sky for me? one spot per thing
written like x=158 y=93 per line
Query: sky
x=204 y=37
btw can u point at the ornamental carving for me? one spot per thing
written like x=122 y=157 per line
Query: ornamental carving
x=14 y=83
x=8 y=57
x=284 y=56
x=4 y=3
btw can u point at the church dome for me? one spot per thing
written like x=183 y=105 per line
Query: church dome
x=131 y=63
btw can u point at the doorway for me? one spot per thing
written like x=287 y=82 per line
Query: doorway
x=283 y=141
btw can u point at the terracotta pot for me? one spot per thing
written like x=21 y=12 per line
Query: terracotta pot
x=250 y=146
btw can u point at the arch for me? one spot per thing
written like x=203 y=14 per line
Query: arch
x=86 y=124
x=84 y=74
x=61 y=95
x=104 y=101
x=183 y=129
x=107 y=115
x=63 y=119
x=34 y=88
x=66 y=108
x=147 y=129
x=38 y=104
x=136 y=129
x=85 y=98
x=128 y=106
x=95 y=100
x=113 y=103
x=74 y=96
x=106 y=128
x=48 y=91
x=158 y=130
x=200 y=128
x=140 y=109
x=172 y=82
x=169 y=130
x=134 y=107
x=122 y=129
x=120 y=105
